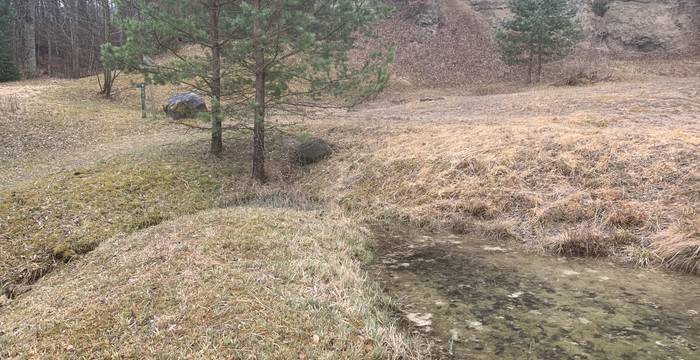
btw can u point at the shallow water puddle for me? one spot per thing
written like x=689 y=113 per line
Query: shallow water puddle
x=482 y=300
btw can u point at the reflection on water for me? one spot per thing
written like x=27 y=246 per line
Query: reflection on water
x=482 y=301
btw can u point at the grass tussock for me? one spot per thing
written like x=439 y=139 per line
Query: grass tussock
x=247 y=282
x=679 y=246
x=10 y=104
x=587 y=240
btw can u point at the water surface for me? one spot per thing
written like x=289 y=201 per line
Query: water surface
x=482 y=300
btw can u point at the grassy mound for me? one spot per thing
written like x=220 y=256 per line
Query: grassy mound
x=235 y=283
x=61 y=215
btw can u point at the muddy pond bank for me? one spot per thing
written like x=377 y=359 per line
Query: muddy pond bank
x=481 y=300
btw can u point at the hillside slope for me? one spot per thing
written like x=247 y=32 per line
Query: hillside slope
x=442 y=42
x=452 y=42
x=626 y=27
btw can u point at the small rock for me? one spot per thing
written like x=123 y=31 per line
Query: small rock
x=455 y=335
x=494 y=248
x=404 y=265
x=584 y=321
x=570 y=273
x=516 y=295
x=476 y=325
x=420 y=319
x=313 y=151
x=692 y=312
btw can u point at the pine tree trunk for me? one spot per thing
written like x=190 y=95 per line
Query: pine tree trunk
x=216 y=132
x=259 y=126
x=30 y=37
x=539 y=64
x=74 y=50
x=49 y=40
x=529 y=67
x=107 y=88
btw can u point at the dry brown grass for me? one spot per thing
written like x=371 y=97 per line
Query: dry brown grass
x=587 y=239
x=236 y=283
x=679 y=245
x=584 y=170
x=64 y=123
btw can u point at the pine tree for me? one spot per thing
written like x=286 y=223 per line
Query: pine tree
x=539 y=31
x=253 y=56
x=8 y=68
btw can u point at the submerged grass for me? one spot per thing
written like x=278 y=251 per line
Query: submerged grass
x=246 y=282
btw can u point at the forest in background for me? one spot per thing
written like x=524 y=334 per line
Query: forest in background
x=62 y=38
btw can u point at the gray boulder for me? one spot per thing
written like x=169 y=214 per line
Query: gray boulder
x=312 y=151
x=185 y=106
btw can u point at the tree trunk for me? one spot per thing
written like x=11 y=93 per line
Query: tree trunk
x=107 y=87
x=216 y=136
x=529 y=66
x=49 y=40
x=259 y=126
x=74 y=50
x=30 y=37
x=539 y=64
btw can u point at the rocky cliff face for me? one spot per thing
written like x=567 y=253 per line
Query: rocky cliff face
x=626 y=27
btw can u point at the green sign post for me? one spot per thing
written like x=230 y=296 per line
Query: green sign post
x=143 y=100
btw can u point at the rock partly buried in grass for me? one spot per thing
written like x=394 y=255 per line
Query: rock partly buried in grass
x=312 y=151
x=185 y=106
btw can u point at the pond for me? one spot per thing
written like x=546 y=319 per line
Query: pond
x=479 y=299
